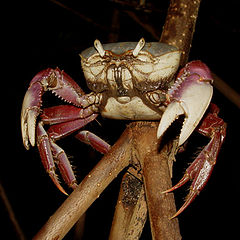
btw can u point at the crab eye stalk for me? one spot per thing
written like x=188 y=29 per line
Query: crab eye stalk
x=99 y=47
x=139 y=47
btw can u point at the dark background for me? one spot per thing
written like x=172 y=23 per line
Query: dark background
x=43 y=34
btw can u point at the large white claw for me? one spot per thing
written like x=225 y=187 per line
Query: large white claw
x=28 y=120
x=30 y=111
x=193 y=101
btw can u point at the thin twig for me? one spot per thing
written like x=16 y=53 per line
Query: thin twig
x=226 y=90
x=11 y=214
x=149 y=28
x=114 y=33
x=82 y=16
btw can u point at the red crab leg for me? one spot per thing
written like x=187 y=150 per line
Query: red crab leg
x=61 y=130
x=65 y=119
x=49 y=150
x=94 y=141
x=200 y=170
x=64 y=113
x=64 y=165
x=46 y=155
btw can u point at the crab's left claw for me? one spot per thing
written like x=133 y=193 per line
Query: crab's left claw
x=190 y=95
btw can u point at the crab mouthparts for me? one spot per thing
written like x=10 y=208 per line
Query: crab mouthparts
x=192 y=100
x=122 y=79
x=123 y=99
x=118 y=79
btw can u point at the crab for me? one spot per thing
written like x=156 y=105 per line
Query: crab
x=129 y=81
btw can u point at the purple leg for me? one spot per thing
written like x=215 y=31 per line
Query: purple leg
x=44 y=147
x=63 y=121
x=94 y=141
x=200 y=170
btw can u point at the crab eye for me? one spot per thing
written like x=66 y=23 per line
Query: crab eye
x=139 y=47
x=99 y=47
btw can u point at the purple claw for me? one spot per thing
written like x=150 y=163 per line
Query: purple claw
x=190 y=95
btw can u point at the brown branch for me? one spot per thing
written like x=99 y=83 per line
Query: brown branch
x=179 y=26
x=156 y=175
x=178 y=31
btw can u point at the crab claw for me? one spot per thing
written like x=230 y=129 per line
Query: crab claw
x=190 y=95
x=31 y=108
x=54 y=80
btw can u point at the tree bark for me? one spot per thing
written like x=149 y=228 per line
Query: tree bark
x=179 y=26
x=156 y=178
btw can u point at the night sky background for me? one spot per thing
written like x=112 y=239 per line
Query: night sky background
x=41 y=34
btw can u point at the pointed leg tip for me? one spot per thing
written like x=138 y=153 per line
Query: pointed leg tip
x=175 y=215
x=61 y=188
x=184 y=179
x=191 y=196
x=57 y=183
x=63 y=191
x=184 y=206
x=168 y=190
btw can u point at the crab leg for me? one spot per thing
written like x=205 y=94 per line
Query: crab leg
x=50 y=151
x=63 y=165
x=61 y=130
x=65 y=120
x=64 y=113
x=45 y=151
x=94 y=141
x=200 y=170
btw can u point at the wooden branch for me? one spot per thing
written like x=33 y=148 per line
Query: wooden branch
x=156 y=175
x=178 y=31
x=179 y=26
x=87 y=191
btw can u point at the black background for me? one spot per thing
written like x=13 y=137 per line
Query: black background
x=42 y=34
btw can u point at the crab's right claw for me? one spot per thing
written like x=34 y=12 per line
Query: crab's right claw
x=190 y=95
x=54 y=80
x=31 y=109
